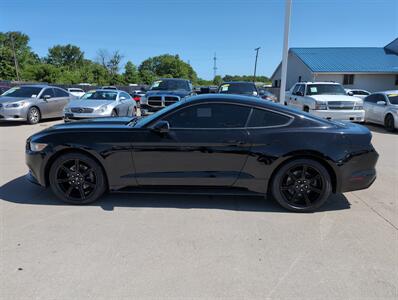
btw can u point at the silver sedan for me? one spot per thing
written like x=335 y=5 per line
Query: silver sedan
x=32 y=103
x=382 y=108
x=101 y=103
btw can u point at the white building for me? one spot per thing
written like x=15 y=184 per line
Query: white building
x=369 y=68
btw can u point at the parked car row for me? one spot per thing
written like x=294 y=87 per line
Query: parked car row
x=32 y=103
x=329 y=100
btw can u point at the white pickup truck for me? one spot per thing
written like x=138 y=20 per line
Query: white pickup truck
x=327 y=100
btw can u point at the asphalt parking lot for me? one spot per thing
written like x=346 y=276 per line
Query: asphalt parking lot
x=143 y=246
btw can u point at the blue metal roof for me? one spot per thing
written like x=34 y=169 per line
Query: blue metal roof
x=356 y=60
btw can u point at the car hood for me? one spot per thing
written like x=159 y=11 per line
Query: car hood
x=90 y=103
x=180 y=93
x=334 y=98
x=6 y=99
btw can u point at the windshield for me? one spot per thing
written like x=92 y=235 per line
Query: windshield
x=325 y=89
x=169 y=85
x=99 y=95
x=23 y=92
x=145 y=121
x=393 y=98
x=238 y=88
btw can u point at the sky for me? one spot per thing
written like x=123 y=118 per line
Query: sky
x=196 y=29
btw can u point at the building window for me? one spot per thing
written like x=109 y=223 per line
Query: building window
x=348 y=79
x=396 y=79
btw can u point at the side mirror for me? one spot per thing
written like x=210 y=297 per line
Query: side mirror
x=122 y=98
x=161 y=127
x=261 y=92
x=381 y=102
x=46 y=97
x=350 y=94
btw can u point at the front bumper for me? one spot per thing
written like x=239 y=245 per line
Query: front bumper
x=80 y=116
x=341 y=115
x=36 y=162
x=13 y=114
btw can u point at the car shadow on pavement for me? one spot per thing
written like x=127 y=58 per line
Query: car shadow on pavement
x=21 y=191
x=19 y=123
x=380 y=129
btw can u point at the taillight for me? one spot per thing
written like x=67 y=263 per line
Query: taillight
x=137 y=98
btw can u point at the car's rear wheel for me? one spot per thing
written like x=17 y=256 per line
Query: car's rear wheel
x=301 y=185
x=113 y=113
x=306 y=109
x=389 y=123
x=77 y=179
x=33 y=116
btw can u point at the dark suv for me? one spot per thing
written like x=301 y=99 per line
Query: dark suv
x=164 y=92
x=238 y=87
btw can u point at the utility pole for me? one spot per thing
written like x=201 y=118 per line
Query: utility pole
x=214 y=65
x=255 y=64
x=15 y=56
x=285 y=51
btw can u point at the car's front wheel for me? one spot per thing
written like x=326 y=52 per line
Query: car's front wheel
x=389 y=123
x=33 y=116
x=77 y=178
x=301 y=185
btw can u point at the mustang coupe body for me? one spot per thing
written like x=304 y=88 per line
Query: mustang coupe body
x=211 y=144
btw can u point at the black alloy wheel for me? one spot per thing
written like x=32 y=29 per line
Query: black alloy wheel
x=33 y=116
x=77 y=179
x=389 y=123
x=302 y=185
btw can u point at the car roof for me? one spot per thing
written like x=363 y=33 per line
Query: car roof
x=173 y=79
x=230 y=82
x=232 y=98
x=105 y=90
x=37 y=85
x=319 y=82
x=388 y=92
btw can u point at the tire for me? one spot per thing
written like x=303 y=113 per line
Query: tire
x=33 y=116
x=301 y=185
x=134 y=112
x=83 y=186
x=389 y=123
x=113 y=113
x=306 y=109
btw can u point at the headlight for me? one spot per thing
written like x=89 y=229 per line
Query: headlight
x=37 y=146
x=15 y=104
x=103 y=108
x=358 y=107
x=320 y=106
x=143 y=100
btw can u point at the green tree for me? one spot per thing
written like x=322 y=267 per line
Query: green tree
x=130 y=73
x=15 y=42
x=69 y=56
x=217 y=80
x=168 y=66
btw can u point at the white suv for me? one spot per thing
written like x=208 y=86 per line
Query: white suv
x=327 y=100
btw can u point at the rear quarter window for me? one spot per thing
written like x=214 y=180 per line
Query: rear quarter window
x=266 y=118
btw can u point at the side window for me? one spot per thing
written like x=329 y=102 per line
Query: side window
x=49 y=92
x=265 y=118
x=348 y=79
x=295 y=89
x=208 y=115
x=125 y=95
x=380 y=97
x=60 y=93
x=371 y=99
x=301 y=89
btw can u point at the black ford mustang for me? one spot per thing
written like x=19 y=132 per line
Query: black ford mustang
x=211 y=144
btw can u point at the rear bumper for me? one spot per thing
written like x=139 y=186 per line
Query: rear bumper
x=358 y=171
x=341 y=115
